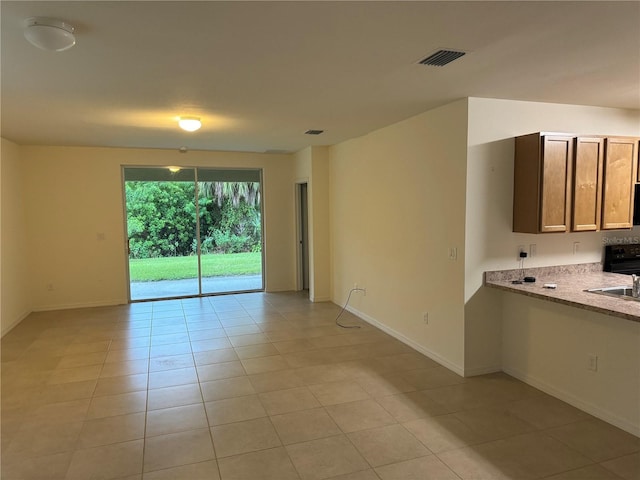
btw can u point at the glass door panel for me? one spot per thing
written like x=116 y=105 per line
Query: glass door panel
x=230 y=212
x=161 y=232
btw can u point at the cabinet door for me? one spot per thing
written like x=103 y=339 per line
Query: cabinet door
x=587 y=184
x=557 y=153
x=620 y=167
x=638 y=160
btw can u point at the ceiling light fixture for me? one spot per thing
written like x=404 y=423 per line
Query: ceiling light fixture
x=49 y=33
x=190 y=124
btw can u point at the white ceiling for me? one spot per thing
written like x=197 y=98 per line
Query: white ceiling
x=261 y=73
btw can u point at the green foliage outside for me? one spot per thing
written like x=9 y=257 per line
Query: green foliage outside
x=176 y=268
x=161 y=218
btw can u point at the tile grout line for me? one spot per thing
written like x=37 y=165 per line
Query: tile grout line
x=146 y=411
x=206 y=415
x=85 y=419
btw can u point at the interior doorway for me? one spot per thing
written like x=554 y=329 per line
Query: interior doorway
x=303 y=236
x=193 y=231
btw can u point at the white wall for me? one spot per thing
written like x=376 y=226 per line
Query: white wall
x=312 y=168
x=74 y=196
x=547 y=345
x=491 y=245
x=397 y=205
x=14 y=280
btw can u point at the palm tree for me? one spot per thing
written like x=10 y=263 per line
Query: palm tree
x=235 y=191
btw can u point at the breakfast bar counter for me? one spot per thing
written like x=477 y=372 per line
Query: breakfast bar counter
x=571 y=283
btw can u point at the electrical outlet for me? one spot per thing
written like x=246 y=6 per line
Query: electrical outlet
x=425 y=318
x=576 y=247
x=592 y=363
x=453 y=253
x=533 y=250
x=521 y=248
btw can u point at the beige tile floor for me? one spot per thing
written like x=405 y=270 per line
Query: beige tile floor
x=265 y=386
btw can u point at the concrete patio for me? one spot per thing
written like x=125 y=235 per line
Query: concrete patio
x=180 y=288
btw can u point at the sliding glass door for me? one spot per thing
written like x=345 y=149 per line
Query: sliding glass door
x=230 y=230
x=193 y=231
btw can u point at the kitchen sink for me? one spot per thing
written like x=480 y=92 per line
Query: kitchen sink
x=623 y=292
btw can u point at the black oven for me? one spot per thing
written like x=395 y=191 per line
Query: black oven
x=636 y=205
x=622 y=258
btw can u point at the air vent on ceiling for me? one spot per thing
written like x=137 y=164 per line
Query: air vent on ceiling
x=442 y=57
x=314 y=132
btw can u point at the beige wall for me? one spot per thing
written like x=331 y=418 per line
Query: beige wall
x=74 y=199
x=547 y=345
x=397 y=206
x=302 y=175
x=320 y=225
x=14 y=280
x=302 y=165
x=312 y=168
x=511 y=332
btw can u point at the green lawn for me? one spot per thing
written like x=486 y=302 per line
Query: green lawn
x=176 y=268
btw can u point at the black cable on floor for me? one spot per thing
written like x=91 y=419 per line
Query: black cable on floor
x=345 y=307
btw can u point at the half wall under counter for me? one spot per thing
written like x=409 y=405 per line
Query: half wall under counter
x=580 y=347
x=572 y=283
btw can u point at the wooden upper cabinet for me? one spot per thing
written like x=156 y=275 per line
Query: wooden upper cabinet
x=587 y=184
x=557 y=159
x=542 y=183
x=620 y=173
x=568 y=183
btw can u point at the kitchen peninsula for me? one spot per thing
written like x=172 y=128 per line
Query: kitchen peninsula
x=572 y=283
x=580 y=347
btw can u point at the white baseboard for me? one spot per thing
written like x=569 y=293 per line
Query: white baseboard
x=14 y=324
x=571 y=399
x=407 y=341
x=472 y=372
x=320 y=299
x=71 y=306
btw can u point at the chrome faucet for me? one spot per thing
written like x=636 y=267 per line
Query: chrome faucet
x=635 y=290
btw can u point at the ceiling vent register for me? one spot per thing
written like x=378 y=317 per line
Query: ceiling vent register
x=442 y=58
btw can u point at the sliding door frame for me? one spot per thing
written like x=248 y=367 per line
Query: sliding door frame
x=200 y=293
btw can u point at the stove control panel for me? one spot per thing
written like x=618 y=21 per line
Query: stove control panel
x=620 y=252
x=622 y=258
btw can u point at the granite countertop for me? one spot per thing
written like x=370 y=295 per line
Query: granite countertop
x=571 y=281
